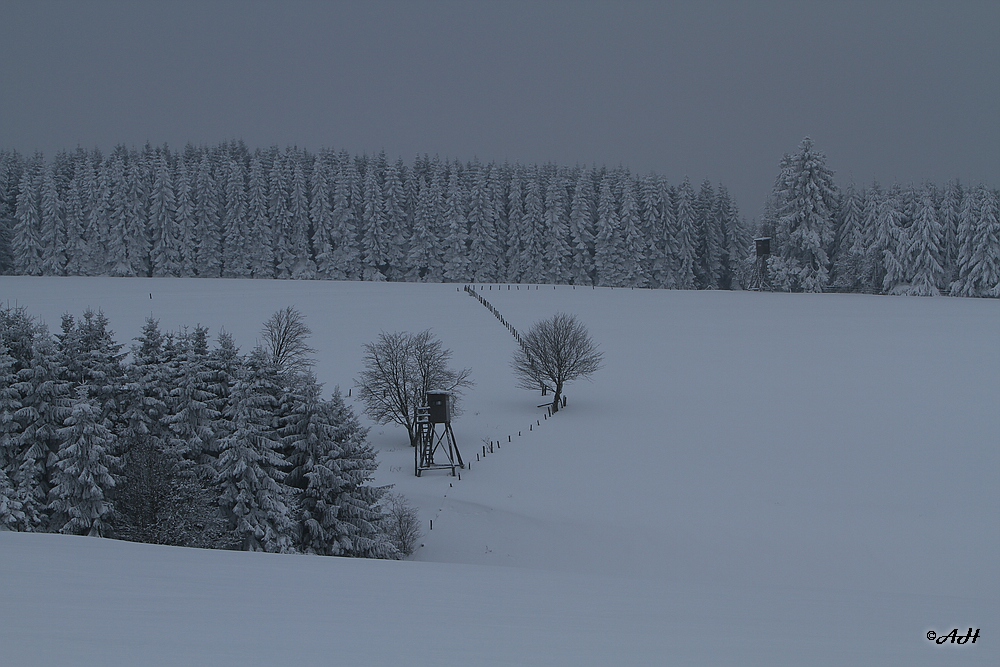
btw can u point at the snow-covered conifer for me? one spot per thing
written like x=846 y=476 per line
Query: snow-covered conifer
x=208 y=235
x=235 y=262
x=166 y=250
x=52 y=226
x=137 y=242
x=423 y=256
x=709 y=239
x=608 y=261
x=484 y=246
x=393 y=198
x=345 y=258
x=533 y=228
x=633 y=251
x=515 y=225
x=82 y=477
x=806 y=202
x=302 y=265
x=26 y=241
x=374 y=229
x=556 y=255
x=456 y=262
x=184 y=217
x=581 y=229
x=259 y=507
x=926 y=274
x=685 y=238
x=321 y=215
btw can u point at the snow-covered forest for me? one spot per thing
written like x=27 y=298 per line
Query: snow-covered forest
x=920 y=240
x=151 y=449
x=231 y=212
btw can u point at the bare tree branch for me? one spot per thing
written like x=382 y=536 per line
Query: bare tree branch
x=284 y=341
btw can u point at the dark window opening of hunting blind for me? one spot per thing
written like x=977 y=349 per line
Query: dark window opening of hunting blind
x=440 y=405
x=763 y=246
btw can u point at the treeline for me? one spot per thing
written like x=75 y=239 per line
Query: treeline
x=918 y=240
x=228 y=211
x=184 y=443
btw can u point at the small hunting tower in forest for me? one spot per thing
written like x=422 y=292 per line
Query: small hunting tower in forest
x=437 y=411
x=759 y=281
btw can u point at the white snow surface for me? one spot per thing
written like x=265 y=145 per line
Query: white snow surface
x=752 y=479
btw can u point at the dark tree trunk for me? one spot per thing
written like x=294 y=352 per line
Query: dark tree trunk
x=557 y=398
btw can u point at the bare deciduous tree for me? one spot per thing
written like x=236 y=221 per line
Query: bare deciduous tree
x=400 y=368
x=555 y=351
x=402 y=524
x=284 y=341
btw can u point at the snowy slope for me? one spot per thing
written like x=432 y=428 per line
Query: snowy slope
x=752 y=479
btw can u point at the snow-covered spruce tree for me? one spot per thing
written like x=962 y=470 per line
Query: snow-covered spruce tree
x=235 y=261
x=532 y=228
x=345 y=256
x=11 y=512
x=393 y=199
x=926 y=274
x=850 y=247
x=26 y=242
x=949 y=214
x=45 y=404
x=208 y=236
x=456 y=261
x=303 y=267
x=736 y=249
x=166 y=246
x=805 y=198
x=608 y=262
x=163 y=496
x=53 y=226
x=137 y=242
x=651 y=209
x=259 y=508
x=710 y=239
x=581 y=230
x=93 y=358
x=258 y=245
x=423 y=256
x=979 y=245
x=892 y=239
x=10 y=173
x=556 y=252
x=112 y=227
x=331 y=466
x=374 y=231
x=189 y=416
x=633 y=249
x=515 y=225
x=686 y=237
x=184 y=217
x=76 y=209
x=484 y=246
x=321 y=215
x=82 y=478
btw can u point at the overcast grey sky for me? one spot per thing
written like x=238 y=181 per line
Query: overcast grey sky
x=904 y=91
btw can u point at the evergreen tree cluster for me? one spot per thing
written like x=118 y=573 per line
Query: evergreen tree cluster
x=918 y=240
x=179 y=443
x=227 y=211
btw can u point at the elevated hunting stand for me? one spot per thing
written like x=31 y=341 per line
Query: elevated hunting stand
x=437 y=410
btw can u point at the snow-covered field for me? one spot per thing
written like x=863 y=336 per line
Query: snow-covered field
x=753 y=479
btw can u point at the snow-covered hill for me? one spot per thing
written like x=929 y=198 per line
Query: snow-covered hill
x=753 y=479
